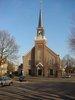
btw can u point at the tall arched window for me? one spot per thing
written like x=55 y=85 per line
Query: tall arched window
x=39 y=55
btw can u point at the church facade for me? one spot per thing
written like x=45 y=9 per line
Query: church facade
x=41 y=60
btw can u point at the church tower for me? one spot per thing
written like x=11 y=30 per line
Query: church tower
x=40 y=43
x=40 y=29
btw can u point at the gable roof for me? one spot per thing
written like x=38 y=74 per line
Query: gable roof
x=28 y=52
x=51 y=51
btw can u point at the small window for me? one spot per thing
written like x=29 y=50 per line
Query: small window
x=50 y=61
x=29 y=62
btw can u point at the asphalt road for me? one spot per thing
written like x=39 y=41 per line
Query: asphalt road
x=40 y=89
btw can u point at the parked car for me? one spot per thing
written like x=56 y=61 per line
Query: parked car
x=4 y=80
x=22 y=78
x=66 y=76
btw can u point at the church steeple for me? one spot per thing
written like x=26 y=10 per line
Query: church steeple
x=40 y=29
x=40 y=25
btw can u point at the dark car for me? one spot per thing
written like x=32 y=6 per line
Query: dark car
x=4 y=80
x=22 y=78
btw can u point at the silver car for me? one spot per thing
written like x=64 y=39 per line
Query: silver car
x=4 y=80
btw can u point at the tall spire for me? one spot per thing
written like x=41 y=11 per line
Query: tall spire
x=40 y=24
x=40 y=29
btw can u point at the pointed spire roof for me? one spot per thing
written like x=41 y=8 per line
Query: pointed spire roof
x=40 y=24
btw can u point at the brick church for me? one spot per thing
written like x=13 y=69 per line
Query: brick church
x=41 y=60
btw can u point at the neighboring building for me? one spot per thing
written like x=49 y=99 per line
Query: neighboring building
x=7 y=67
x=3 y=69
x=3 y=66
x=41 y=61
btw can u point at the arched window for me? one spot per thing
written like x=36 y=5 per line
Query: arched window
x=39 y=55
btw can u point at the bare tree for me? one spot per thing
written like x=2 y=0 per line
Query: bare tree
x=10 y=67
x=72 y=36
x=67 y=61
x=8 y=47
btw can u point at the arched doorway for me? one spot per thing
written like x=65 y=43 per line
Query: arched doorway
x=39 y=72
x=39 y=69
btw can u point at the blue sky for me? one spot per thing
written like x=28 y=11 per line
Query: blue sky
x=20 y=18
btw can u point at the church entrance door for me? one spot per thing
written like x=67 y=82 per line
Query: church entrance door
x=39 y=67
x=39 y=72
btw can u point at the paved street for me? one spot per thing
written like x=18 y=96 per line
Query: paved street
x=40 y=89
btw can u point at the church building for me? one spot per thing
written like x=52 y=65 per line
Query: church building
x=41 y=60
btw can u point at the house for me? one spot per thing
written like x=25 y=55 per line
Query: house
x=3 y=69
